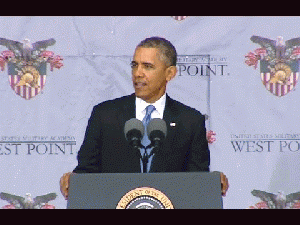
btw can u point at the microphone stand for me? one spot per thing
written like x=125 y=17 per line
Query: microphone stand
x=145 y=159
x=146 y=156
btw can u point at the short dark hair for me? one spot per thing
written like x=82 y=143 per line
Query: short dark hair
x=166 y=48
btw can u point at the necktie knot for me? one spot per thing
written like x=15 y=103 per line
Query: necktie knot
x=149 y=110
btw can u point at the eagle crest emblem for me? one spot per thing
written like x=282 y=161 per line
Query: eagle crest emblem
x=279 y=63
x=27 y=65
x=19 y=202
x=276 y=201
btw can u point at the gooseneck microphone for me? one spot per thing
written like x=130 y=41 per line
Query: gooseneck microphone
x=134 y=131
x=157 y=132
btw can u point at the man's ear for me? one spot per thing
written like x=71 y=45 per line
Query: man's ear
x=171 y=72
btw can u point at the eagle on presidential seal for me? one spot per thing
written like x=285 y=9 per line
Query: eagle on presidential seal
x=279 y=63
x=27 y=65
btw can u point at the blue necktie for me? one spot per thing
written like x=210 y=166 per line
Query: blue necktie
x=145 y=141
x=146 y=120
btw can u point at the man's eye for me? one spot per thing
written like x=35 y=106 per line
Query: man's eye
x=133 y=65
x=148 y=66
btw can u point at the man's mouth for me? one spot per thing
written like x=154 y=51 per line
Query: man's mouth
x=139 y=84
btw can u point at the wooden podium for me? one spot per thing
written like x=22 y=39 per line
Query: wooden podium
x=198 y=190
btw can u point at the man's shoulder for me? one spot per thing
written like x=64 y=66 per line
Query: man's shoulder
x=115 y=103
x=185 y=108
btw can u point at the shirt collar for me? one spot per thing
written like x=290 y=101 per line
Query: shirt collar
x=159 y=104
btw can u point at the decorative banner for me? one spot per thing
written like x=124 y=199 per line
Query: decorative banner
x=252 y=115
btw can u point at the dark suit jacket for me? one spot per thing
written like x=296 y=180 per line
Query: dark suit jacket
x=105 y=149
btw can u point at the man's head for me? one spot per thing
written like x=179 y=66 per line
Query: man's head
x=153 y=65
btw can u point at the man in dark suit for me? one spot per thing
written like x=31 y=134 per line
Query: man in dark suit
x=105 y=148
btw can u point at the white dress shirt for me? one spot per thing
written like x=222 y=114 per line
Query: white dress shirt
x=140 y=108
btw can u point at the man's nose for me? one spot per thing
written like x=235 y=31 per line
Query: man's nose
x=138 y=71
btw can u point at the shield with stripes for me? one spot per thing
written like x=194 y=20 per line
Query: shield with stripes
x=28 y=81
x=281 y=78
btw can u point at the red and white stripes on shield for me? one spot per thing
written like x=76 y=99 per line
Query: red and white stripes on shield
x=25 y=91
x=277 y=88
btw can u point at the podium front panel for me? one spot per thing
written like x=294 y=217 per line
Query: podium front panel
x=184 y=190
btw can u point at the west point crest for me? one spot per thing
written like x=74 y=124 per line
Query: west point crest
x=279 y=63
x=27 y=65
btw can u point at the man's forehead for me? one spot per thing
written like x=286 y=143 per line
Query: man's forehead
x=150 y=55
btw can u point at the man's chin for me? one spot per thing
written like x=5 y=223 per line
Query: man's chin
x=150 y=98
x=142 y=95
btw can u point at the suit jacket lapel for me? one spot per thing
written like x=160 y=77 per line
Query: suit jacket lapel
x=128 y=110
x=171 y=118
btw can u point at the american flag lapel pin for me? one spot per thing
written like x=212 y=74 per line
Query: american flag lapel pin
x=172 y=124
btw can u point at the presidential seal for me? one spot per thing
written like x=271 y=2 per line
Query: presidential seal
x=145 y=198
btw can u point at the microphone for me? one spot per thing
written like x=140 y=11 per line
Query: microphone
x=134 y=131
x=157 y=132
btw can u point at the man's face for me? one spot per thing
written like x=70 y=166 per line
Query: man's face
x=150 y=74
